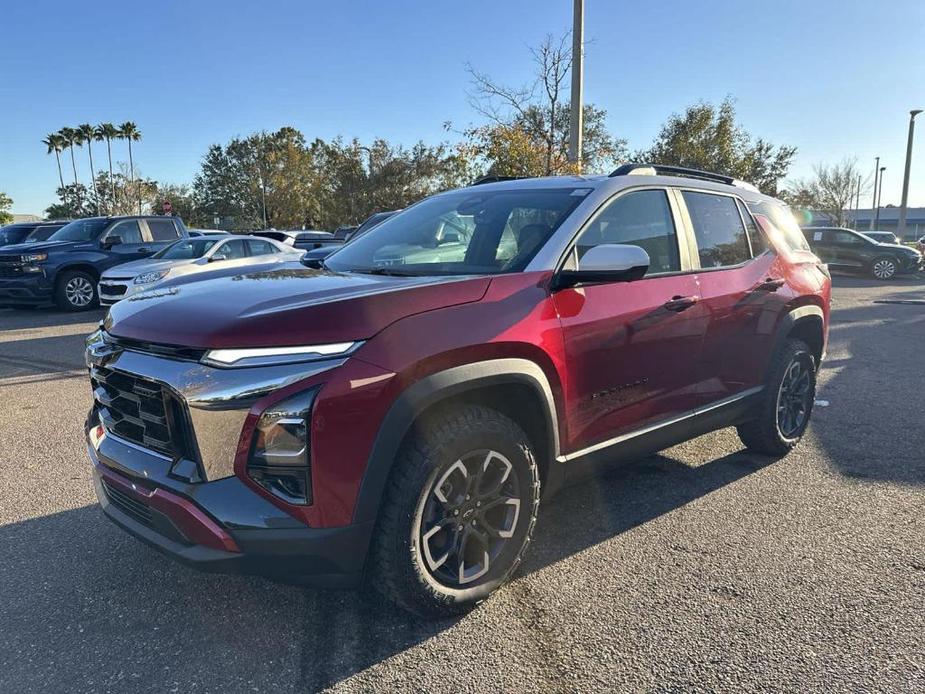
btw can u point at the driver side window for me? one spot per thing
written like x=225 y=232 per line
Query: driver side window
x=129 y=231
x=643 y=219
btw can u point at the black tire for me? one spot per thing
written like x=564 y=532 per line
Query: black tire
x=76 y=291
x=771 y=431
x=884 y=268
x=400 y=566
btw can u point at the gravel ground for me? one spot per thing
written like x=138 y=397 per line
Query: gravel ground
x=703 y=568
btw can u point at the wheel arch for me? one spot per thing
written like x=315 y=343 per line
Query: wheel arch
x=518 y=388
x=806 y=323
x=89 y=268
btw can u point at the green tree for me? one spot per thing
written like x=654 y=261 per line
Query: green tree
x=527 y=133
x=832 y=190
x=87 y=133
x=707 y=137
x=6 y=203
x=182 y=201
x=108 y=132
x=71 y=137
x=55 y=143
x=129 y=131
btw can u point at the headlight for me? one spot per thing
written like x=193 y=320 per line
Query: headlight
x=280 y=459
x=267 y=356
x=149 y=277
x=33 y=257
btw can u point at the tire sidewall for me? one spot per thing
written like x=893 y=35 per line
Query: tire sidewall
x=797 y=353
x=888 y=259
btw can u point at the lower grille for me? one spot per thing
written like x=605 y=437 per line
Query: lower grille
x=11 y=271
x=135 y=508
x=113 y=289
x=141 y=411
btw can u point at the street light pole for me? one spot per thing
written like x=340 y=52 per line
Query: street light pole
x=901 y=227
x=879 y=193
x=873 y=203
x=575 y=125
x=857 y=204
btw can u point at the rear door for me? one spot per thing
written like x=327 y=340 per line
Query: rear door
x=631 y=347
x=742 y=287
x=162 y=232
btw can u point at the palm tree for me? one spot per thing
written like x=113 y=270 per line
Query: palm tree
x=70 y=137
x=87 y=133
x=108 y=132
x=55 y=143
x=129 y=131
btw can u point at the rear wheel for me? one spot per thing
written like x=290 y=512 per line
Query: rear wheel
x=884 y=268
x=458 y=514
x=786 y=403
x=76 y=291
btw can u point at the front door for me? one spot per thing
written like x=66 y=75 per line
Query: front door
x=133 y=245
x=631 y=347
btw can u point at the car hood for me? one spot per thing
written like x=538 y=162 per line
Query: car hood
x=44 y=246
x=137 y=267
x=287 y=306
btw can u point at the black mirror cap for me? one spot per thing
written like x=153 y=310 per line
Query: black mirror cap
x=565 y=279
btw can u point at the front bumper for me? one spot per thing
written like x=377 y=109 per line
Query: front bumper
x=220 y=526
x=31 y=288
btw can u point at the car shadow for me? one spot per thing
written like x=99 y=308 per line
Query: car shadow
x=43 y=358
x=99 y=605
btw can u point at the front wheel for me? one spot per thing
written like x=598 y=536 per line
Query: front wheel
x=76 y=291
x=884 y=268
x=783 y=412
x=458 y=514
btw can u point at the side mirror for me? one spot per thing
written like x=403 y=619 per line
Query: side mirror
x=112 y=240
x=609 y=262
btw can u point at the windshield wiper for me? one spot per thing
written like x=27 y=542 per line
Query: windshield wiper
x=386 y=270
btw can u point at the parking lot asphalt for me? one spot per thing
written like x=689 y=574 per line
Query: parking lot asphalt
x=702 y=568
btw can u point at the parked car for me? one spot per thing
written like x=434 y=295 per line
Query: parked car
x=185 y=257
x=883 y=237
x=314 y=257
x=22 y=232
x=206 y=232
x=66 y=268
x=301 y=239
x=403 y=414
x=849 y=250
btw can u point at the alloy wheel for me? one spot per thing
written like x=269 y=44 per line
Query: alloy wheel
x=884 y=269
x=469 y=516
x=794 y=399
x=79 y=291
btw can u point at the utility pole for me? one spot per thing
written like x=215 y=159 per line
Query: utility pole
x=857 y=204
x=901 y=227
x=576 y=125
x=873 y=203
x=879 y=193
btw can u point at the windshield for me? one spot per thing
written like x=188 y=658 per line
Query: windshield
x=186 y=249
x=467 y=232
x=80 y=230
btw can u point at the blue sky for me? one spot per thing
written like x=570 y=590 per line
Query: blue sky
x=835 y=78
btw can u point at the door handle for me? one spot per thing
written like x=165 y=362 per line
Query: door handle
x=680 y=303
x=769 y=285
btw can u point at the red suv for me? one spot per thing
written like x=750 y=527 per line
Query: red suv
x=400 y=411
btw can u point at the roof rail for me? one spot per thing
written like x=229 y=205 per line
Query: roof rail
x=664 y=170
x=495 y=179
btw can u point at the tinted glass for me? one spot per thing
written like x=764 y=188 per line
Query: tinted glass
x=262 y=247
x=638 y=219
x=759 y=243
x=43 y=233
x=465 y=232
x=783 y=220
x=233 y=249
x=186 y=250
x=163 y=230
x=721 y=239
x=129 y=231
x=80 y=230
x=15 y=233
x=846 y=238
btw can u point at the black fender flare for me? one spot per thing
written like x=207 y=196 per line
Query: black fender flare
x=435 y=388
x=799 y=314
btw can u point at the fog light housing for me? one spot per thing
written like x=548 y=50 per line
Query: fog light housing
x=280 y=458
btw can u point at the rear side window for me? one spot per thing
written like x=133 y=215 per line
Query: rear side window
x=783 y=220
x=261 y=247
x=759 y=243
x=163 y=230
x=639 y=219
x=718 y=228
x=233 y=250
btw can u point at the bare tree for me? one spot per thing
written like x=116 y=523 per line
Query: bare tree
x=832 y=190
